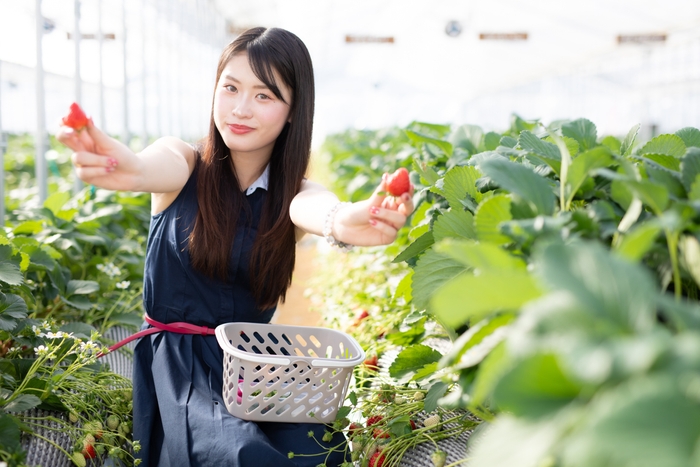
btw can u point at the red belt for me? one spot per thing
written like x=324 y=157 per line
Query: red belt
x=177 y=327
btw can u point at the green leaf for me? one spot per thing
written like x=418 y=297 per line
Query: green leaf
x=480 y=256
x=403 y=289
x=628 y=142
x=694 y=192
x=690 y=167
x=522 y=181
x=427 y=173
x=638 y=242
x=467 y=137
x=56 y=201
x=535 y=387
x=21 y=403
x=652 y=194
x=690 y=136
x=612 y=143
x=489 y=215
x=670 y=145
x=10 y=273
x=670 y=180
x=477 y=342
x=421 y=244
x=647 y=422
x=343 y=412
x=532 y=143
x=418 y=139
x=662 y=160
x=583 y=165
x=436 y=391
x=460 y=182
x=608 y=287
x=470 y=298
x=412 y=359
x=492 y=140
x=455 y=223
x=81 y=302
x=9 y=431
x=12 y=309
x=76 y=287
x=413 y=335
x=431 y=271
x=28 y=228
x=352 y=397
x=583 y=131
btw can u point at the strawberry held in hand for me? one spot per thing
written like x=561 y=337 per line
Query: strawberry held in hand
x=76 y=118
x=398 y=182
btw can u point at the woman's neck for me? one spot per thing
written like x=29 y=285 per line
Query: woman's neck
x=248 y=169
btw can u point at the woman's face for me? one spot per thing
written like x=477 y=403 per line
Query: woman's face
x=247 y=114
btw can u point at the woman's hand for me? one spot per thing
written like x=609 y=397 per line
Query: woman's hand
x=374 y=221
x=99 y=159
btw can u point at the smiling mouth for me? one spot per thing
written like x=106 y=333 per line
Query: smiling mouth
x=240 y=129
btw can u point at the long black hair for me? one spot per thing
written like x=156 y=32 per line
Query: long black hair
x=219 y=196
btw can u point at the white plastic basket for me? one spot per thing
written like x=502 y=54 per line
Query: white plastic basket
x=280 y=373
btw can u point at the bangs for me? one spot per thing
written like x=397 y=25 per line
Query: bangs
x=261 y=62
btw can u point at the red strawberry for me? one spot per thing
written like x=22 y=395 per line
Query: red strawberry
x=379 y=433
x=353 y=429
x=371 y=363
x=377 y=459
x=398 y=182
x=413 y=424
x=76 y=118
x=374 y=419
x=88 y=450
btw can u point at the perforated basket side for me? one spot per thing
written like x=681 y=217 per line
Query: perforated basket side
x=284 y=388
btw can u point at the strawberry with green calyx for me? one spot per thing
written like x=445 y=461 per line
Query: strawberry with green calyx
x=113 y=422
x=88 y=451
x=432 y=421
x=353 y=429
x=379 y=433
x=76 y=118
x=439 y=457
x=398 y=183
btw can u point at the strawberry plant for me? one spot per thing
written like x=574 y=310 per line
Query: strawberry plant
x=550 y=256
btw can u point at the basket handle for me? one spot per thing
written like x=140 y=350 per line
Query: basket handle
x=226 y=346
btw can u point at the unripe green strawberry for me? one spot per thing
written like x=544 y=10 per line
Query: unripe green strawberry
x=431 y=421
x=78 y=459
x=399 y=400
x=73 y=417
x=113 y=422
x=439 y=457
x=419 y=396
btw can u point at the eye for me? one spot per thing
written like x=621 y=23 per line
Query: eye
x=264 y=96
x=230 y=88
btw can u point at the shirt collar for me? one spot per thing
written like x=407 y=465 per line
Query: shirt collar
x=261 y=182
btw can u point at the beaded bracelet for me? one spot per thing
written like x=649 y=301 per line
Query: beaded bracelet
x=328 y=227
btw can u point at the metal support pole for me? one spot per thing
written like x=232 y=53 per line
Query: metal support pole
x=40 y=137
x=3 y=146
x=125 y=131
x=144 y=77
x=100 y=42
x=77 y=183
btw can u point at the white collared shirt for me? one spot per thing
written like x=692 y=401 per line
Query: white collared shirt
x=260 y=182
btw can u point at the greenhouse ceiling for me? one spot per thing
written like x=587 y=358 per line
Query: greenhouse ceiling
x=382 y=61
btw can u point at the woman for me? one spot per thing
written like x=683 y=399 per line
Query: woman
x=226 y=216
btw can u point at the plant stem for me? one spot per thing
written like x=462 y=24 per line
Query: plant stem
x=672 y=241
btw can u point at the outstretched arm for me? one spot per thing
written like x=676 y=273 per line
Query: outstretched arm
x=100 y=160
x=374 y=221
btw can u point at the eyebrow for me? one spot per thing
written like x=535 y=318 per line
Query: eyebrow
x=257 y=86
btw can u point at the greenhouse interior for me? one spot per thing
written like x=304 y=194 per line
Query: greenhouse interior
x=501 y=202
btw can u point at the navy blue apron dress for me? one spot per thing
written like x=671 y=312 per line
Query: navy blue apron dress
x=180 y=418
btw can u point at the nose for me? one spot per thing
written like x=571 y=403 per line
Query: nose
x=242 y=107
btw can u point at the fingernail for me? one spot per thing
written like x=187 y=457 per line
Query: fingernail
x=109 y=169
x=374 y=210
x=112 y=162
x=372 y=222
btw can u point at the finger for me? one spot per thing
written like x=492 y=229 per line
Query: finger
x=387 y=230
x=392 y=217
x=379 y=194
x=88 y=159
x=89 y=174
x=70 y=138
